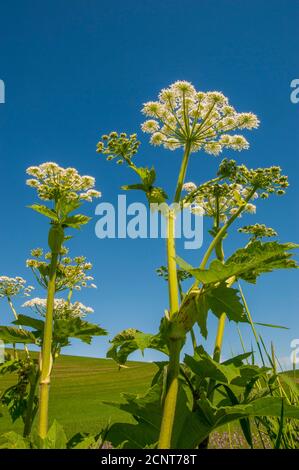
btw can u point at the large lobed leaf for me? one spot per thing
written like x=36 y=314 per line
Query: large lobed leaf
x=10 y=334
x=25 y=320
x=65 y=328
x=219 y=299
x=247 y=263
x=130 y=340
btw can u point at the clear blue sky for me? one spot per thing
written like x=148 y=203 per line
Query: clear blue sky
x=74 y=70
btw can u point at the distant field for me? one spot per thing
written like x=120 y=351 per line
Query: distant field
x=79 y=385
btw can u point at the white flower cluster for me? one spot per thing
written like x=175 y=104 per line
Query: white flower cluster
x=11 y=286
x=62 y=308
x=183 y=115
x=54 y=182
x=71 y=272
x=74 y=275
x=219 y=200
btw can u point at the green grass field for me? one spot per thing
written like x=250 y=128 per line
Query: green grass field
x=80 y=385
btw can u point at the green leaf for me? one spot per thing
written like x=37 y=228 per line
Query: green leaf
x=14 y=400
x=269 y=406
x=130 y=340
x=147 y=175
x=9 y=366
x=130 y=187
x=65 y=328
x=190 y=428
x=156 y=195
x=205 y=367
x=75 y=221
x=259 y=257
x=9 y=334
x=13 y=440
x=237 y=360
x=44 y=210
x=25 y=320
x=87 y=441
x=67 y=207
x=197 y=303
x=147 y=412
x=269 y=325
x=249 y=372
x=56 y=437
x=247 y=263
x=225 y=299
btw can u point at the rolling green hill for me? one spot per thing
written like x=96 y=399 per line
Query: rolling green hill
x=80 y=385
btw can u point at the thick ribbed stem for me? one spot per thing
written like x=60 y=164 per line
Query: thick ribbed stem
x=175 y=340
x=46 y=357
x=182 y=173
x=174 y=344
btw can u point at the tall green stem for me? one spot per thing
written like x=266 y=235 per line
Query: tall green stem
x=219 y=337
x=171 y=264
x=182 y=173
x=221 y=322
x=169 y=408
x=174 y=343
x=46 y=357
x=175 y=340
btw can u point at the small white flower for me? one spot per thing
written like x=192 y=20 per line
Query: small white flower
x=213 y=148
x=189 y=187
x=157 y=138
x=238 y=142
x=152 y=109
x=150 y=126
x=251 y=208
x=198 y=210
x=182 y=87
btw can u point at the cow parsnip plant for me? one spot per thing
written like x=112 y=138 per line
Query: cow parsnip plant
x=65 y=189
x=59 y=318
x=183 y=118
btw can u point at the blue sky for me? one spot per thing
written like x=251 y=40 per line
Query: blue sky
x=75 y=70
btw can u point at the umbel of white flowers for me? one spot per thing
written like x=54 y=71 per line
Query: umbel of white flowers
x=183 y=116
x=62 y=308
x=54 y=183
x=11 y=286
x=72 y=272
x=222 y=200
